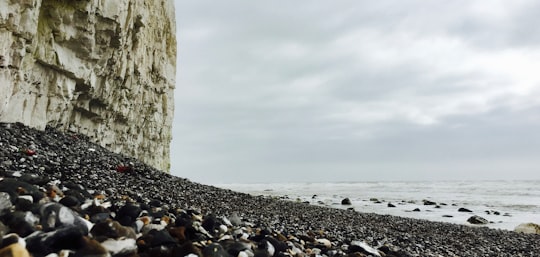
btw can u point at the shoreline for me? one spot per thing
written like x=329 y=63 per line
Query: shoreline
x=68 y=161
x=405 y=199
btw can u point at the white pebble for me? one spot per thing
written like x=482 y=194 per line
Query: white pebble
x=27 y=197
x=120 y=246
x=325 y=242
x=223 y=229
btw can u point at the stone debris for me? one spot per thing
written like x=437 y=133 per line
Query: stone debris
x=69 y=201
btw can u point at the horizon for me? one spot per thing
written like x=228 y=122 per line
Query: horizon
x=377 y=182
x=314 y=90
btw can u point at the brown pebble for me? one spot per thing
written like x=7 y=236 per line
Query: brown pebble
x=178 y=233
x=14 y=250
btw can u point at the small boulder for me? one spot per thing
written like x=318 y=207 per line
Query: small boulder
x=464 y=210
x=346 y=201
x=477 y=220
x=528 y=228
x=390 y=205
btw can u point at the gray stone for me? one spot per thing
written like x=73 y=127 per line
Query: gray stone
x=477 y=220
x=5 y=202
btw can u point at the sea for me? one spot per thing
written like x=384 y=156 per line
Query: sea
x=505 y=204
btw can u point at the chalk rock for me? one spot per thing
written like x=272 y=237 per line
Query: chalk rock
x=105 y=69
x=528 y=228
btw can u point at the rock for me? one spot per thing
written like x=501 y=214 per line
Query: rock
x=477 y=220
x=210 y=223
x=69 y=201
x=362 y=247
x=55 y=215
x=187 y=249
x=104 y=69
x=128 y=214
x=157 y=238
x=391 y=205
x=447 y=216
x=324 y=242
x=24 y=203
x=18 y=223
x=120 y=246
x=14 y=250
x=464 y=210
x=416 y=209
x=235 y=219
x=104 y=230
x=5 y=202
x=528 y=228
x=346 y=201
x=17 y=188
x=91 y=247
x=215 y=250
x=64 y=238
x=428 y=202
x=3 y=231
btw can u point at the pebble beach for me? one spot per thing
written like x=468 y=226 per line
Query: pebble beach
x=61 y=195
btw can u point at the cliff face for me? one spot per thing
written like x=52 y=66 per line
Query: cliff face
x=103 y=68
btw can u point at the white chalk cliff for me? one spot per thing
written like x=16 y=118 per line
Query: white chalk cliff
x=103 y=68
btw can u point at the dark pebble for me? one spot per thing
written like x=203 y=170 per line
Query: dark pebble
x=346 y=201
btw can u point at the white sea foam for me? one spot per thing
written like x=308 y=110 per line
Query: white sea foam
x=516 y=202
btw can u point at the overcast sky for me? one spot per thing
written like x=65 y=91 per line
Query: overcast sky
x=309 y=90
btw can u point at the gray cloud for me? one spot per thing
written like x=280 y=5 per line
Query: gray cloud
x=305 y=90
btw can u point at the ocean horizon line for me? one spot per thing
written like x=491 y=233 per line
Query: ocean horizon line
x=380 y=181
